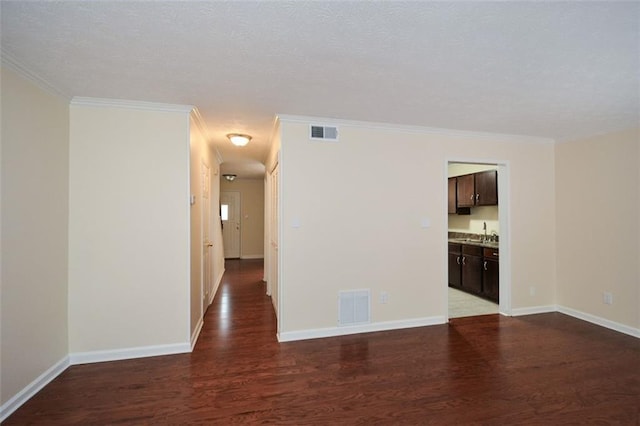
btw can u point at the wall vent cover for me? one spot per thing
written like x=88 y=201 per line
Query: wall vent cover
x=354 y=307
x=323 y=133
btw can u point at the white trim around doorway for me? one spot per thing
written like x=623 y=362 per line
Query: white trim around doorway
x=504 y=214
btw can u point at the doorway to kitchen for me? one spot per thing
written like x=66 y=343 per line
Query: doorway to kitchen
x=477 y=225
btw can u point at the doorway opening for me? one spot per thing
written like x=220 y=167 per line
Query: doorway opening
x=230 y=216
x=477 y=248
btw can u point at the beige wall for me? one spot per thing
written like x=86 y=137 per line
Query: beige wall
x=34 y=168
x=458 y=169
x=598 y=196
x=251 y=214
x=128 y=227
x=474 y=223
x=359 y=228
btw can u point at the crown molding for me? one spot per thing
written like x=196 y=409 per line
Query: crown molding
x=286 y=118
x=9 y=61
x=199 y=122
x=275 y=126
x=129 y=104
x=202 y=126
x=603 y=134
x=217 y=153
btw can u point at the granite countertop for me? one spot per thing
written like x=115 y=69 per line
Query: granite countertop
x=474 y=242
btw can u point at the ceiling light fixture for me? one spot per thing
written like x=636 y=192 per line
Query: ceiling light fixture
x=229 y=177
x=238 y=139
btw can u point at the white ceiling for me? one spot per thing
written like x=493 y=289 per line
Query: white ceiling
x=559 y=70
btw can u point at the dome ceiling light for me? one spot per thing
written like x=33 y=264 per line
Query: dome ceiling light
x=239 y=139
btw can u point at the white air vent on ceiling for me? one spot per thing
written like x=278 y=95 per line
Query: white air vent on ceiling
x=323 y=133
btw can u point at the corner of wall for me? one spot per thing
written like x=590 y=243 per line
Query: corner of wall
x=34 y=264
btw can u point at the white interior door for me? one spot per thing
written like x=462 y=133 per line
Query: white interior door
x=207 y=282
x=230 y=214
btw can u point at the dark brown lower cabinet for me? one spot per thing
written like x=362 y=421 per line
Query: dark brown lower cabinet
x=490 y=280
x=490 y=274
x=475 y=269
x=472 y=269
x=455 y=263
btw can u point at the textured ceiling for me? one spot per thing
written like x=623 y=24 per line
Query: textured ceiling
x=559 y=70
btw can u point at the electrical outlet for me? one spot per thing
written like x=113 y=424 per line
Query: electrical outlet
x=532 y=291
x=384 y=297
x=607 y=298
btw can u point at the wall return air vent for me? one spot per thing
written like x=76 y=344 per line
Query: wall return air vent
x=323 y=133
x=354 y=307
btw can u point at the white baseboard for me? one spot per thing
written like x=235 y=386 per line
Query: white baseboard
x=318 y=333
x=84 y=358
x=100 y=356
x=216 y=285
x=603 y=322
x=128 y=353
x=147 y=351
x=533 y=310
x=252 y=256
x=196 y=333
x=32 y=388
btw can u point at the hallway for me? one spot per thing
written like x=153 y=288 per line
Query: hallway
x=537 y=369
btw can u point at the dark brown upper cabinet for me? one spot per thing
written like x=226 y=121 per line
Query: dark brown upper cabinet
x=486 y=188
x=451 y=206
x=466 y=191
x=477 y=189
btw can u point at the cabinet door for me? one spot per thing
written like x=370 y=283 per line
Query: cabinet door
x=491 y=280
x=487 y=188
x=472 y=273
x=452 y=196
x=454 y=269
x=466 y=191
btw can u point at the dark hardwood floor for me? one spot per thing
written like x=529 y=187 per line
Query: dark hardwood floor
x=547 y=369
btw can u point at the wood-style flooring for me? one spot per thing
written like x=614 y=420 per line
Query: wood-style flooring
x=547 y=369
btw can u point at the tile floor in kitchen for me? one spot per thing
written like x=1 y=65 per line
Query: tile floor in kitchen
x=463 y=304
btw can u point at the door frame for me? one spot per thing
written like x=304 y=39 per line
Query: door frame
x=239 y=223
x=504 y=215
x=206 y=221
x=273 y=231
